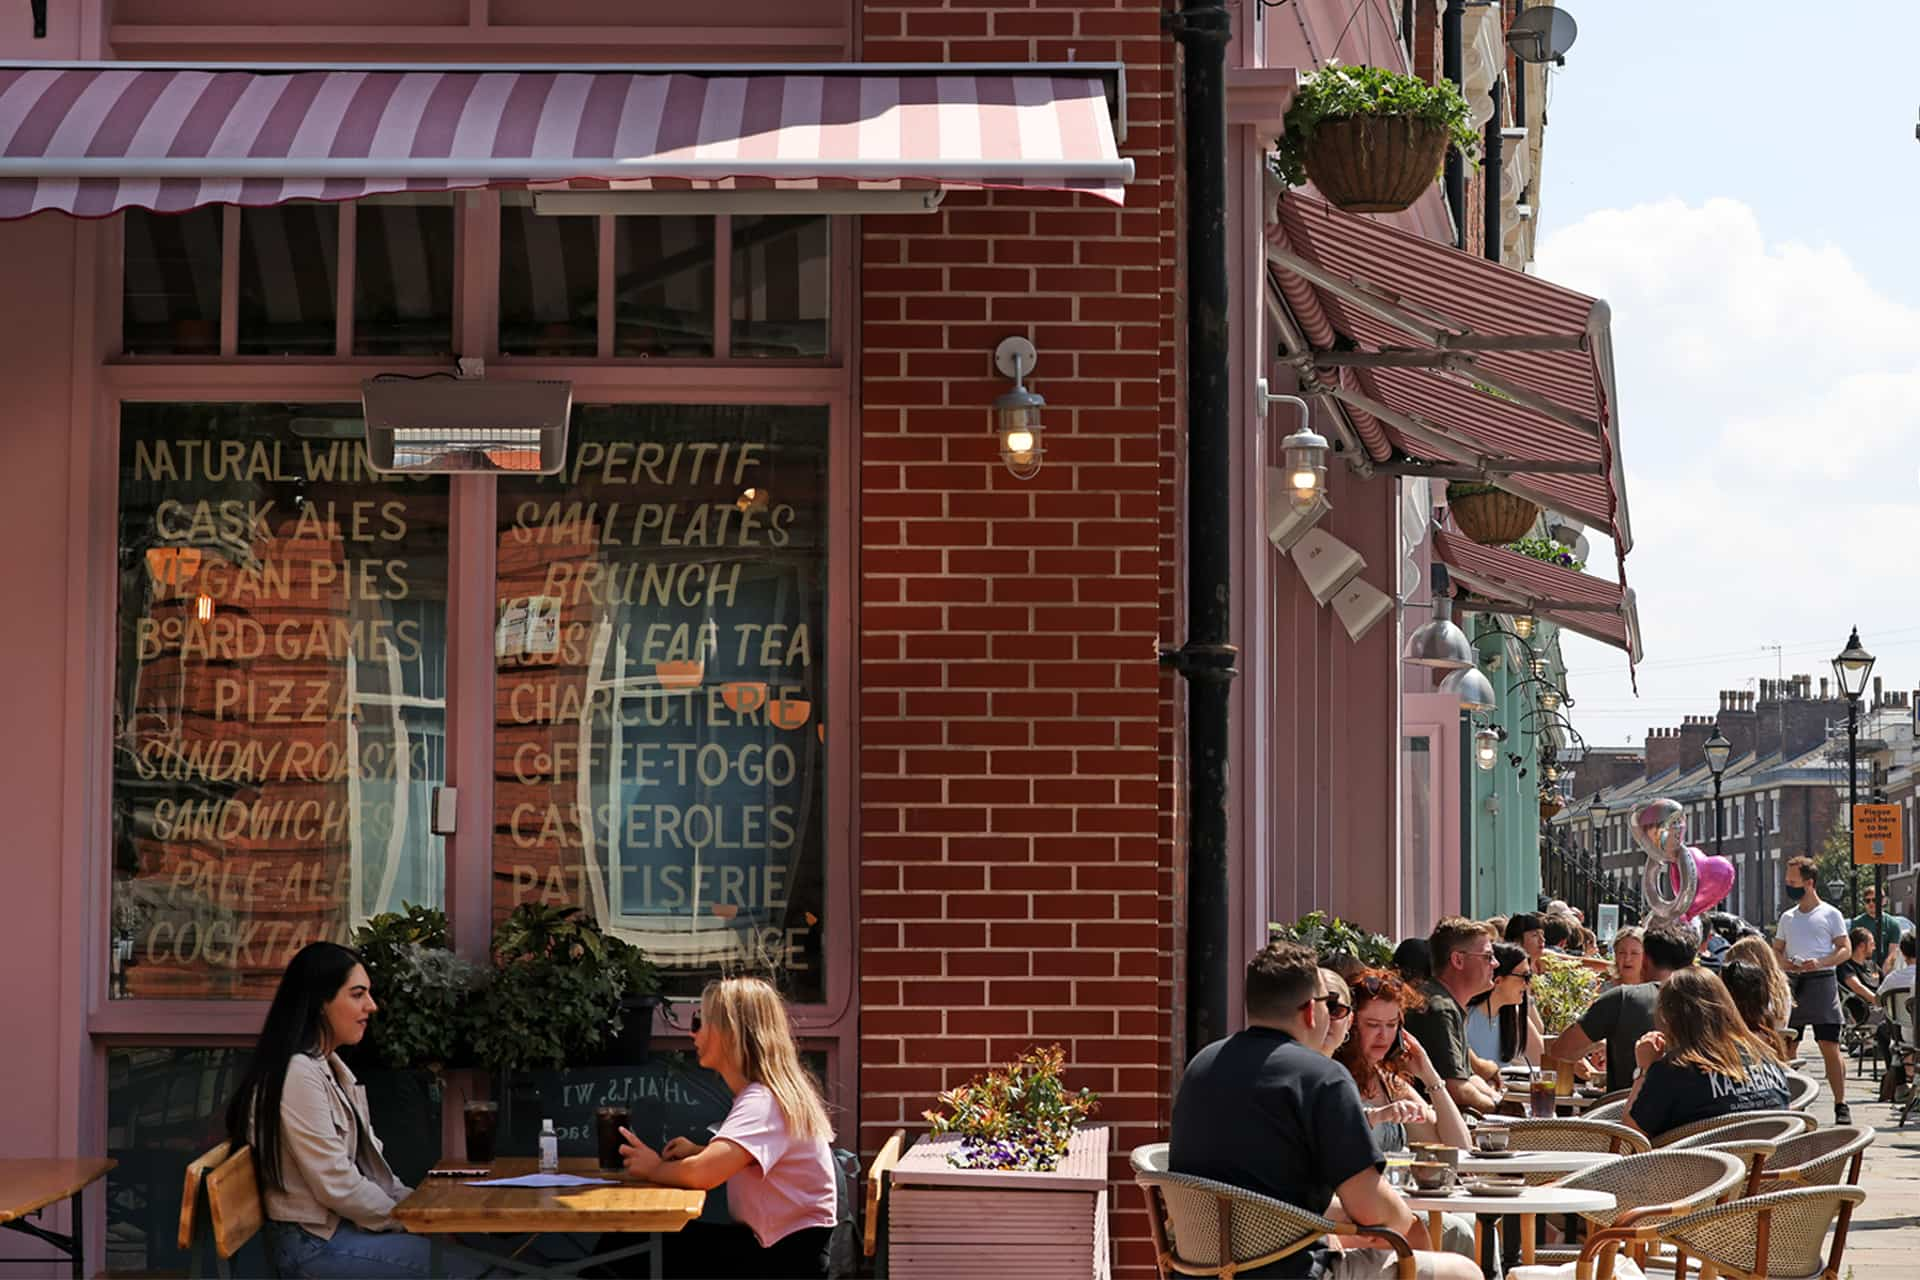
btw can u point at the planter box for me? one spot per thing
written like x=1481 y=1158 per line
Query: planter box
x=945 y=1223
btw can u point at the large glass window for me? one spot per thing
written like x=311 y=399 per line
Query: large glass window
x=661 y=656
x=403 y=275
x=549 y=283
x=663 y=286
x=781 y=286
x=279 y=711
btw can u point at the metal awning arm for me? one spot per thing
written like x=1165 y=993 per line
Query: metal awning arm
x=1464 y=363
x=1380 y=307
x=1444 y=445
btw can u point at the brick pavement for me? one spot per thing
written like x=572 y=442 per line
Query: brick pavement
x=1884 y=1241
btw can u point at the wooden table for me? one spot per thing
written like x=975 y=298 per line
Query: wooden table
x=444 y=1207
x=1528 y=1205
x=28 y=1186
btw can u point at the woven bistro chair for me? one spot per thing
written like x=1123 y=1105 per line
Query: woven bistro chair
x=1752 y=1152
x=1651 y=1187
x=1737 y=1127
x=1206 y=1228
x=1822 y=1158
x=1775 y=1236
x=1680 y=1133
x=1612 y=1107
x=1570 y=1134
x=1802 y=1089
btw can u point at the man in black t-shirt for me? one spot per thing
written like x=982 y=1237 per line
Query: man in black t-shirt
x=1261 y=1111
x=1621 y=1016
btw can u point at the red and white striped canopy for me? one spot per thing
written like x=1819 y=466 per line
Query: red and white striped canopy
x=92 y=139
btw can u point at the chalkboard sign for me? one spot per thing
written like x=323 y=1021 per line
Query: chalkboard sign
x=670 y=1096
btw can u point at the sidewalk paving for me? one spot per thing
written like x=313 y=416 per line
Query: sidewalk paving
x=1883 y=1242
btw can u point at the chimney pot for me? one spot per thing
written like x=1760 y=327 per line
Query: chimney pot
x=1876 y=691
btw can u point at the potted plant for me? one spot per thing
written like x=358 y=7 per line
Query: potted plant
x=1009 y=1178
x=1547 y=551
x=424 y=992
x=1490 y=516
x=1331 y=937
x=639 y=997
x=1371 y=140
x=553 y=1001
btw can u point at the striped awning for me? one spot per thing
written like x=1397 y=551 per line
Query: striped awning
x=91 y=139
x=1444 y=356
x=1576 y=601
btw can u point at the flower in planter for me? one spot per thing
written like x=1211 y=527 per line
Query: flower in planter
x=1338 y=93
x=1547 y=551
x=1019 y=1117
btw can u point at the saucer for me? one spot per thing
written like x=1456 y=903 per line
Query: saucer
x=1495 y=1155
x=1479 y=1187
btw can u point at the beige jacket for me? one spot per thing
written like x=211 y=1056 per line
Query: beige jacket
x=330 y=1160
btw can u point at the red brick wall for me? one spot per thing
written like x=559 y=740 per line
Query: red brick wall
x=1012 y=863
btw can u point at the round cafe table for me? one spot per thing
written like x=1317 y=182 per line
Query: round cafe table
x=1528 y=1205
x=1535 y=1162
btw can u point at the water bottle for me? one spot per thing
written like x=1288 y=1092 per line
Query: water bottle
x=549 y=1147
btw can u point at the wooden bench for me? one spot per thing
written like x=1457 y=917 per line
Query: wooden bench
x=232 y=1190
x=877 y=1172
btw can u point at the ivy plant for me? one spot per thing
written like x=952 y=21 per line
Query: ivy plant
x=1562 y=992
x=1021 y=1116
x=1338 y=92
x=1547 y=551
x=1329 y=936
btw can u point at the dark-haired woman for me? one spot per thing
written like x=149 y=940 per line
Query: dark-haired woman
x=329 y=1195
x=1500 y=1025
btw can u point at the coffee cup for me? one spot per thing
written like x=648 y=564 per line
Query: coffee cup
x=1431 y=1175
x=1492 y=1138
x=1436 y=1152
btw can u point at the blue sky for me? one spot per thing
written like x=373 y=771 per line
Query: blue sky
x=1741 y=181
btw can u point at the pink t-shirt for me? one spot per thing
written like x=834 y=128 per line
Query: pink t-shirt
x=789 y=1185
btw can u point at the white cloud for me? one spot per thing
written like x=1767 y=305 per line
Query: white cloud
x=1770 y=409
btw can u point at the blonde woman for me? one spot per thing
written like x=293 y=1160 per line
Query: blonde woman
x=772 y=1151
x=1629 y=947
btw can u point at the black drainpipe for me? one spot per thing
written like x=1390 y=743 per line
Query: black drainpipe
x=1203 y=28
x=1453 y=65
x=1496 y=158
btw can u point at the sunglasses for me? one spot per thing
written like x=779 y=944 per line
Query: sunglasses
x=1524 y=977
x=1336 y=1007
x=1376 y=985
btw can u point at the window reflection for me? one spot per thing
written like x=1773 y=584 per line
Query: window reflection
x=780 y=286
x=279 y=700
x=289 y=265
x=170 y=288
x=661 y=651
x=663 y=286
x=403 y=276
x=549 y=283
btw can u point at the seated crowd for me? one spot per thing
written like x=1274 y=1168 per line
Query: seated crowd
x=1336 y=1070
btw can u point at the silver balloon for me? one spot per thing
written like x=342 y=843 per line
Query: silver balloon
x=1660 y=829
x=1665 y=904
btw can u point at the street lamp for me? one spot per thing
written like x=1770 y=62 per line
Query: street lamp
x=1717 y=750
x=1851 y=669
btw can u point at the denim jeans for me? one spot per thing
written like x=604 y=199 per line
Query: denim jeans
x=355 y=1254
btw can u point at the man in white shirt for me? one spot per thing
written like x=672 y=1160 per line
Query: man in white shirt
x=1900 y=979
x=1812 y=941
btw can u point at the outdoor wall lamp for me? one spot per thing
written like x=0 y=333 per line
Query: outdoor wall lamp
x=1441 y=643
x=1016 y=412
x=1486 y=749
x=1549 y=700
x=1523 y=626
x=1303 y=455
x=1474 y=690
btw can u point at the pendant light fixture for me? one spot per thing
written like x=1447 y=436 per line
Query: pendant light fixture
x=1440 y=643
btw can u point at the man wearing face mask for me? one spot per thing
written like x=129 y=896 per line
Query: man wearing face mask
x=1812 y=942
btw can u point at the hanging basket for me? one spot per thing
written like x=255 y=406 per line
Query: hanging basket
x=1493 y=519
x=1375 y=164
x=1549 y=807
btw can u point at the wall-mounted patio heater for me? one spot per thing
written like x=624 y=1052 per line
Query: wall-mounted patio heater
x=437 y=425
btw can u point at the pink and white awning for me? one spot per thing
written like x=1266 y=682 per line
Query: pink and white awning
x=1594 y=607
x=93 y=139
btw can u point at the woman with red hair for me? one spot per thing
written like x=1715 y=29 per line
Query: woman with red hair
x=1385 y=1062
